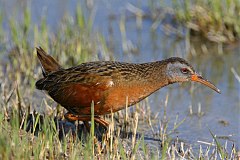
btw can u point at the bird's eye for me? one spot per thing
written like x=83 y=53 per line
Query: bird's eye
x=184 y=70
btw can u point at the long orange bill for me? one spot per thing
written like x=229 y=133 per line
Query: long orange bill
x=198 y=78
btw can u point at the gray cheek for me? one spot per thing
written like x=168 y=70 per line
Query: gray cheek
x=172 y=74
x=169 y=71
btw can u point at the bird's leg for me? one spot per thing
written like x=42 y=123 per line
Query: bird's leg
x=101 y=121
x=86 y=124
x=86 y=118
x=70 y=117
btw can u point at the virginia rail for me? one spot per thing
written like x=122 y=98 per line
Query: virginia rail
x=110 y=85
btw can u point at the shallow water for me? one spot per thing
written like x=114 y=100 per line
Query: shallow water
x=148 y=45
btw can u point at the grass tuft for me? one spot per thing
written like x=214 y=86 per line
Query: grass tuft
x=218 y=20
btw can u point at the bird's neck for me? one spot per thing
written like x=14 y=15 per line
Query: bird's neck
x=155 y=75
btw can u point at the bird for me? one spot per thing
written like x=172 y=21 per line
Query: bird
x=109 y=86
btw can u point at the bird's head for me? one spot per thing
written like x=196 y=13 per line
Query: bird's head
x=179 y=70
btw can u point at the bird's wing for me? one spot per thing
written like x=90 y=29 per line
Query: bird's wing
x=76 y=89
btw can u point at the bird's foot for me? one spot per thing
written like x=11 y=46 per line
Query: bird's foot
x=101 y=138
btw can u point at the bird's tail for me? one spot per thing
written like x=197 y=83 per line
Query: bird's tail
x=48 y=63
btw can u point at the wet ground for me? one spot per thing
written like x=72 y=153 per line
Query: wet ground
x=152 y=41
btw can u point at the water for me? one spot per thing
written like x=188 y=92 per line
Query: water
x=148 y=45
